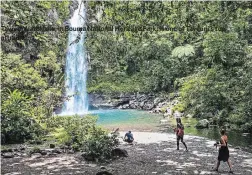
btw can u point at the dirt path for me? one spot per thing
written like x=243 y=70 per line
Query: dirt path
x=153 y=153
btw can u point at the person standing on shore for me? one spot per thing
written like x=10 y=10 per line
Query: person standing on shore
x=223 y=152
x=179 y=130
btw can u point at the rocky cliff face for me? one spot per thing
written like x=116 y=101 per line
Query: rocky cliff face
x=149 y=102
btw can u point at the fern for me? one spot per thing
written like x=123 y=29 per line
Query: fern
x=183 y=51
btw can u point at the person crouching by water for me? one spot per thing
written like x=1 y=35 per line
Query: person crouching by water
x=128 y=137
x=223 y=152
x=179 y=130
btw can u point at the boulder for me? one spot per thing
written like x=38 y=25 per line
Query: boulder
x=8 y=155
x=104 y=173
x=70 y=152
x=43 y=153
x=126 y=106
x=6 y=150
x=52 y=154
x=202 y=124
x=103 y=167
x=36 y=155
x=142 y=104
x=157 y=101
x=17 y=154
x=52 y=145
x=22 y=148
x=57 y=151
x=148 y=106
x=118 y=152
x=157 y=110
x=88 y=157
x=133 y=104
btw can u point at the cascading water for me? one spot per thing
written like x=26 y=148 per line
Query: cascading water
x=76 y=66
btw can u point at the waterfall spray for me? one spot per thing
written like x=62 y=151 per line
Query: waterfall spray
x=76 y=66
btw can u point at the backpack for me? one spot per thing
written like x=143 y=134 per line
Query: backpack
x=180 y=130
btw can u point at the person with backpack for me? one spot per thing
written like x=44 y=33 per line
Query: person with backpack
x=179 y=130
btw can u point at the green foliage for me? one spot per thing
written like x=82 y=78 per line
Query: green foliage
x=224 y=49
x=71 y=129
x=48 y=66
x=17 y=124
x=34 y=150
x=207 y=58
x=99 y=144
x=179 y=107
x=118 y=84
x=82 y=133
x=16 y=74
x=211 y=68
x=183 y=51
x=33 y=62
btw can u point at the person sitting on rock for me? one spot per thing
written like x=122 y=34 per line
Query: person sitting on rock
x=128 y=137
x=179 y=130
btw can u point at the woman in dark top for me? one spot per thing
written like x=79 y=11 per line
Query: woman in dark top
x=223 y=151
x=180 y=133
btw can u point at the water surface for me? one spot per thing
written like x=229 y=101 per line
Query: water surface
x=137 y=120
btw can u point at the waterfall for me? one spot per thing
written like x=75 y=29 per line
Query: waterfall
x=76 y=67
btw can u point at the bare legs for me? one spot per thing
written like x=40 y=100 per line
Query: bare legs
x=180 y=138
x=217 y=166
x=229 y=164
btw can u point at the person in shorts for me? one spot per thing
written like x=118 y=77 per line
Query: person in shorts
x=179 y=130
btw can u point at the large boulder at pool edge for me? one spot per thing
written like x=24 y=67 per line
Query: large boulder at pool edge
x=202 y=124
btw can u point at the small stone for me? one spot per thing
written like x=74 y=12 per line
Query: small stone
x=92 y=165
x=8 y=155
x=18 y=154
x=104 y=173
x=10 y=150
x=70 y=152
x=245 y=134
x=6 y=150
x=52 y=145
x=36 y=155
x=22 y=148
x=43 y=153
x=52 y=154
x=103 y=167
x=24 y=155
x=119 y=152
x=56 y=151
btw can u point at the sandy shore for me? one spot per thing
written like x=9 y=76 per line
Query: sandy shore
x=152 y=153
